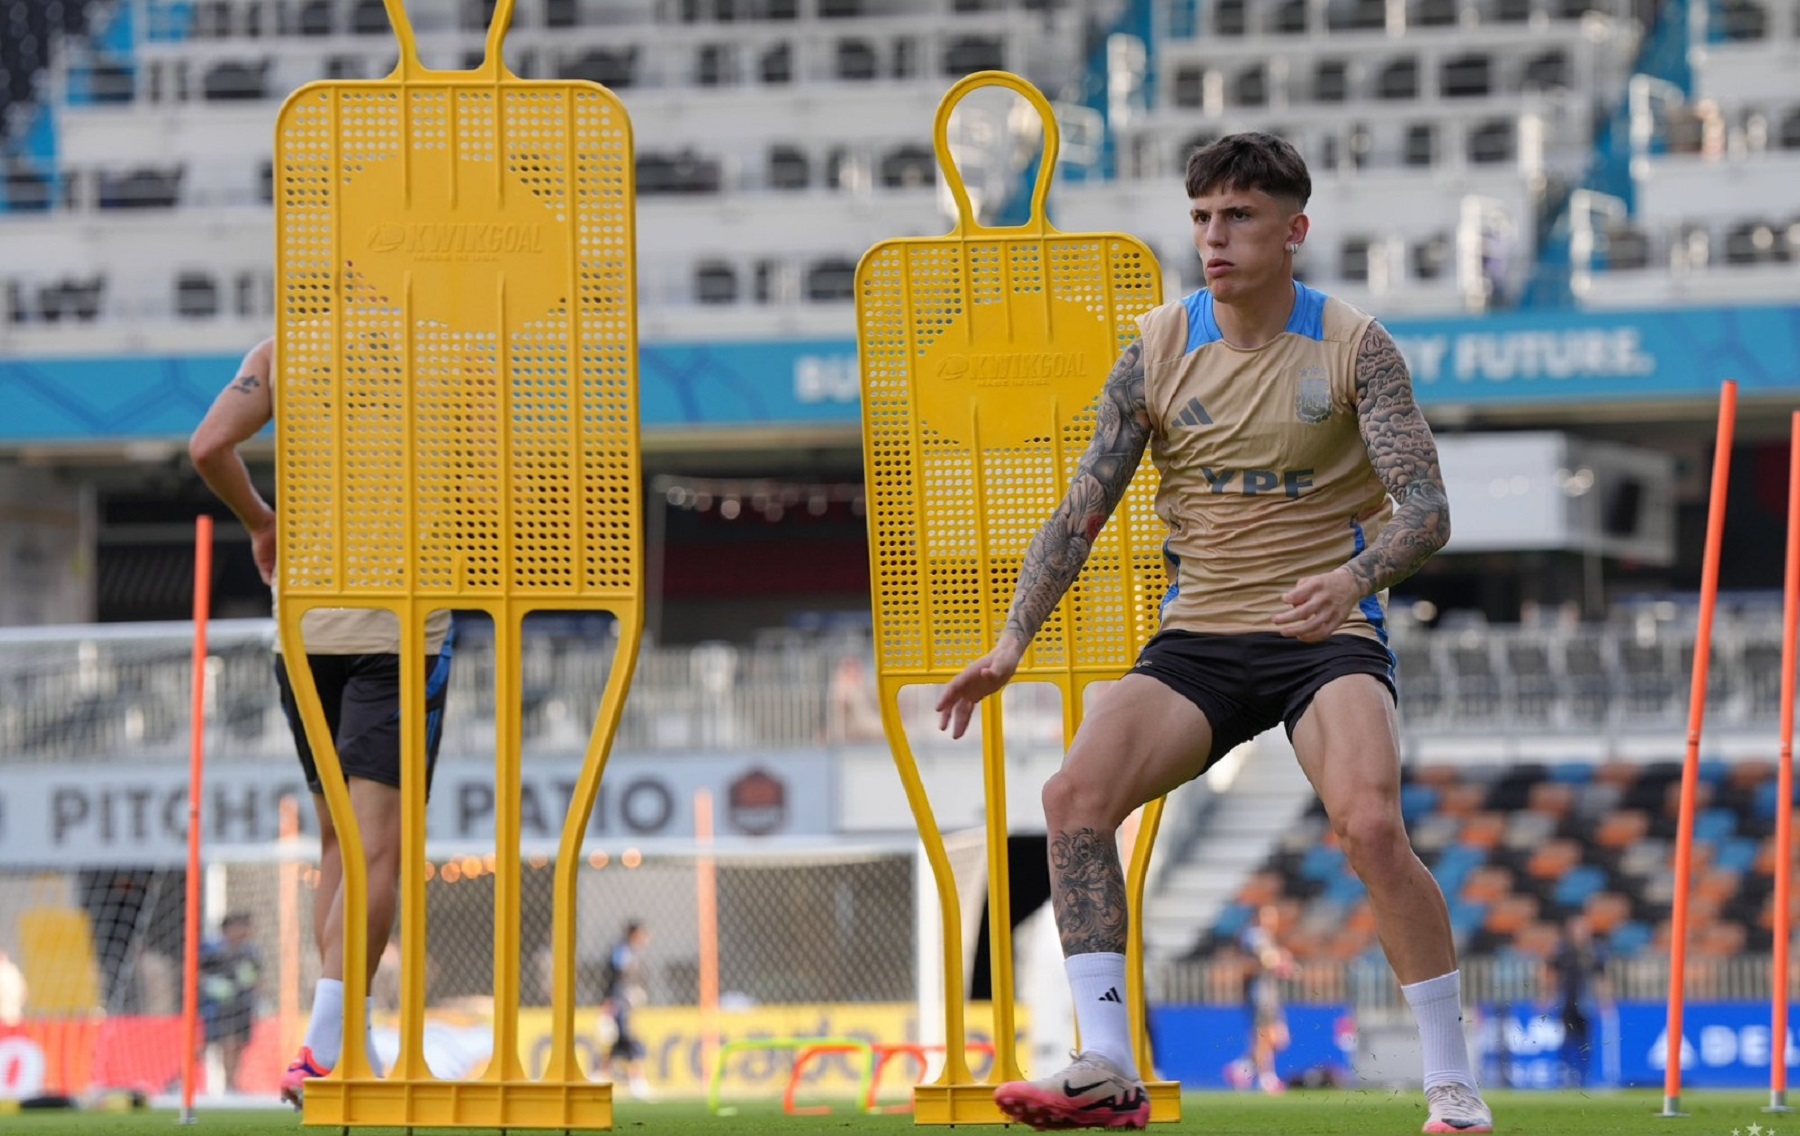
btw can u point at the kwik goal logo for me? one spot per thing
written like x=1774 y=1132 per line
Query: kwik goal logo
x=1014 y=368
x=456 y=237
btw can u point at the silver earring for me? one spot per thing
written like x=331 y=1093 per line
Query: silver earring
x=1293 y=247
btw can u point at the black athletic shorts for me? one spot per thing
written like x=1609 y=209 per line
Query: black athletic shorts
x=361 y=694
x=1244 y=684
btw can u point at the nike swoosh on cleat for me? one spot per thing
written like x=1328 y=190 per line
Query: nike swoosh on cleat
x=1077 y=1090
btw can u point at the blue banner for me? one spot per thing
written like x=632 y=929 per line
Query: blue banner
x=1546 y=359
x=1518 y=359
x=683 y=385
x=1725 y=1045
x=1208 y=1047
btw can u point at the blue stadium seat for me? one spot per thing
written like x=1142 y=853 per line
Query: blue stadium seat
x=1715 y=825
x=1737 y=854
x=1322 y=862
x=1232 y=920
x=1454 y=866
x=1346 y=890
x=1466 y=918
x=1417 y=801
x=1767 y=794
x=1628 y=938
x=1574 y=889
x=1572 y=772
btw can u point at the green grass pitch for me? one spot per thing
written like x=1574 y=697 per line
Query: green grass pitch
x=1318 y=1113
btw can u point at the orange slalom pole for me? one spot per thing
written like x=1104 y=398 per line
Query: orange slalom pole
x=706 y=909
x=1784 y=828
x=1690 y=768
x=190 y=963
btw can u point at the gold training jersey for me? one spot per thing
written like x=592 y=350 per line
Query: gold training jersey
x=362 y=631
x=1265 y=477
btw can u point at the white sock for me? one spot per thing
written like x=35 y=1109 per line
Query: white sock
x=1437 y=1004
x=1097 y=983
x=375 y=1064
x=325 y=1031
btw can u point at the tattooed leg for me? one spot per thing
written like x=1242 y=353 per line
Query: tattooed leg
x=1087 y=891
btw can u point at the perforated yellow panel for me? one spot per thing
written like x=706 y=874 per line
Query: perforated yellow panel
x=457 y=428
x=470 y=307
x=983 y=356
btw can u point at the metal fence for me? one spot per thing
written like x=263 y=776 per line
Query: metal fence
x=81 y=692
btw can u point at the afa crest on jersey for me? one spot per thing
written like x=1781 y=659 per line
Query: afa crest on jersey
x=1312 y=398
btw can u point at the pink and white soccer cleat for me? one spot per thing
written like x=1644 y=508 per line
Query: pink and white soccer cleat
x=1091 y=1093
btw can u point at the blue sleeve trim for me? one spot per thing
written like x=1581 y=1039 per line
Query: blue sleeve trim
x=1202 y=327
x=1309 y=313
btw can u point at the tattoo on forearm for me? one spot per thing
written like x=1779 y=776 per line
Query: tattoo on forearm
x=1061 y=547
x=1087 y=888
x=1406 y=460
x=246 y=383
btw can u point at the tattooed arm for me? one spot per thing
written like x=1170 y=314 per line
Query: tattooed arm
x=1061 y=547
x=1405 y=459
x=243 y=408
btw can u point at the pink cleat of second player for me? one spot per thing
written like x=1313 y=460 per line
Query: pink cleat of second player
x=293 y=1082
x=1091 y=1092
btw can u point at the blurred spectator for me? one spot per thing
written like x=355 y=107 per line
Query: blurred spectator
x=627 y=986
x=13 y=991
x=230 y=981
x=852 y=706
x=1270 y=963
x=1578 y=982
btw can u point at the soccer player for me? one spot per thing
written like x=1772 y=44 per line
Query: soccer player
x=355 y=662
x=231 y=971
x=1577 y=975
x=627 y=986
x=1270 y=962
x=1299 y=482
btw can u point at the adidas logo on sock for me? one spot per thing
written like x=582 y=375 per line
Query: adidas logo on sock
x=1111 y=995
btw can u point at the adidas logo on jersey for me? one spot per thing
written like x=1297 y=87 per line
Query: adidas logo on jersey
x=1194 y=414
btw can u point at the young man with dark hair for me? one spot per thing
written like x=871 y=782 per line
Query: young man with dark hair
x=1299 y=483
x=354 y=657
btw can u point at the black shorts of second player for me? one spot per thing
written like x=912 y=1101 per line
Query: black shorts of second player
x=1245 y=684
x=229 y=1023
x=361 y=696
x=626 y=1046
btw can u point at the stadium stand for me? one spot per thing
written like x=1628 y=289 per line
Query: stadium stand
x=1520 y=848
x=1445 y=138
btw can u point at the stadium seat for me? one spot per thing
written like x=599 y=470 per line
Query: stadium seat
x=776 y=64
x=715 y=282
x=1416 y=801
x=1466 y=76
x=1714 y=825
x=1572 y=772
x=1399 y=79
x=1232 y=920
x=1629 y=938
x=1576 y=888
x=1229 y=19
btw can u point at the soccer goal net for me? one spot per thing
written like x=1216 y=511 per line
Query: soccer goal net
x=812 y=937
